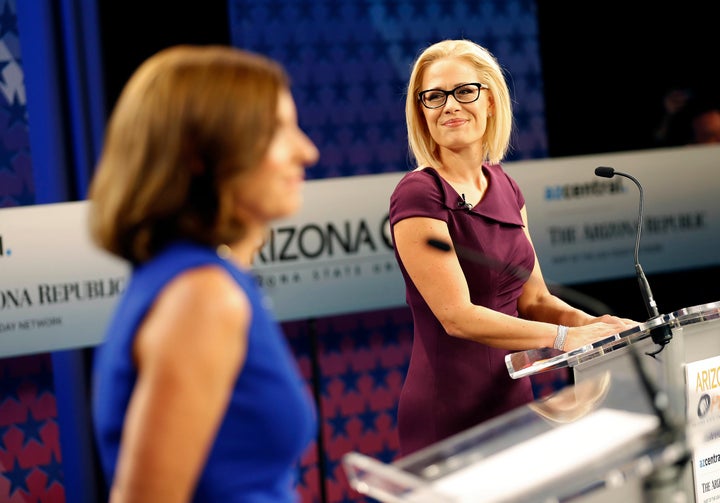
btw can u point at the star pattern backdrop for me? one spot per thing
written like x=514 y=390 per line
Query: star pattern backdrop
x=30 y=455
x=349 y=63
x=30 y=458
x=16 y=181
x=354 y=366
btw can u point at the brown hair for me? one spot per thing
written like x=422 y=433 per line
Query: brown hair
x=190 y=120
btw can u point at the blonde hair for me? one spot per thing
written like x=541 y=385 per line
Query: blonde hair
x=496 y=140
x=188 y=123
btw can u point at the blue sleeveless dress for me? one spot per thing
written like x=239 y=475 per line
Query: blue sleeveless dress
x=270 y=419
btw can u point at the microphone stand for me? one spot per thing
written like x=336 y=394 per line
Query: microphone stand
x=664 y=484
x=661 y=336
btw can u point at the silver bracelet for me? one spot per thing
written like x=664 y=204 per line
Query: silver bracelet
x=559 y=343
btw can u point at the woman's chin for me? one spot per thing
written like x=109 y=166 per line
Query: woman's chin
x=289 y=206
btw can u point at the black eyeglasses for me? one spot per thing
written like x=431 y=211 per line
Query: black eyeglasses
x=464 y=93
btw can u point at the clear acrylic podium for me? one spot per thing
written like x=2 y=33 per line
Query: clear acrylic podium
x=695 y=335
x=694 y=343
x=602 y=439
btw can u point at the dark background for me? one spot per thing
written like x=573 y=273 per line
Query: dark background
x=606 y=68
x=132 y=31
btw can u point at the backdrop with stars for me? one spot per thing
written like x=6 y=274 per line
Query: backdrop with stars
x=350 y=62
x=30 y=454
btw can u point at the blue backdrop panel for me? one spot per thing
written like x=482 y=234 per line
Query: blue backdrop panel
x=350 y=62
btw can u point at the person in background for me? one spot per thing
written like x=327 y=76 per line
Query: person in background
x=705 y=123
x=668 y=132
x=470 y=304
x=690 y=117
x=196 y=395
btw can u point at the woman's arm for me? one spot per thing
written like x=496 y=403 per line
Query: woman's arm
x=440 y=280
x=189 y=351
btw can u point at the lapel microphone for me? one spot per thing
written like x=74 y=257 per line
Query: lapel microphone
x=462 y=203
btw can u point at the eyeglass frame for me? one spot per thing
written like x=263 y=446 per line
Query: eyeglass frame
x=479 y=86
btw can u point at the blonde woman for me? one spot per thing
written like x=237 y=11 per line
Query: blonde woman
x=467 y=314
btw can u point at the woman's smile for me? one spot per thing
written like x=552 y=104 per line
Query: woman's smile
x=455 y=122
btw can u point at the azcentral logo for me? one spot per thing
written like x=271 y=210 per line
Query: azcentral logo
x=580 y=190
x=710 y=460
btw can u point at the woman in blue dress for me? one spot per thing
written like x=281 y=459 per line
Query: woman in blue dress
x=196 y=395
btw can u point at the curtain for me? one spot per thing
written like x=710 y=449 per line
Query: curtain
x=60 y=46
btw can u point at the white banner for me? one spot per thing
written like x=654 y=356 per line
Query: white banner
x=584 y=226
x=56 y=288
x=335 y=257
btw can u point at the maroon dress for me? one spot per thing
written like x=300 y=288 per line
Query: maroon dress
x=453 y=384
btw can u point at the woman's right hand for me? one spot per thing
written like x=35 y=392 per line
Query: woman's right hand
x=587 y=334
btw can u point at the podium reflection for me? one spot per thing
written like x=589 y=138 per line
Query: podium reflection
x=575 y=401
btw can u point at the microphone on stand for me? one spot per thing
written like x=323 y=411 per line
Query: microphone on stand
x=664 y=337
x=666 y=403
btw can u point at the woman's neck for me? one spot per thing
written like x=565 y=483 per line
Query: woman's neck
x=463 y=167
x=468 y=180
